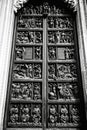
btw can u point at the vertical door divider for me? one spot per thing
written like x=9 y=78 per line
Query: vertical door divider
x=44 y=74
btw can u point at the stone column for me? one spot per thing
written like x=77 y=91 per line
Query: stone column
x=6 y=32
x=82 y=40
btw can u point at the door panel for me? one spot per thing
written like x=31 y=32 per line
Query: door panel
x=62 y=89
x=45 y=87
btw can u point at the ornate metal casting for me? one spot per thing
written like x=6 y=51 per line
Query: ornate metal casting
x=59 y=115
x=18 y=4
x=25 y=115
x=44 y=43
x=26 y=91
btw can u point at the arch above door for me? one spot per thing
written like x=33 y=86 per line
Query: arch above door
x=71 y=4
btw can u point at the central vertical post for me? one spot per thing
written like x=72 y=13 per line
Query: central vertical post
x=44 y=72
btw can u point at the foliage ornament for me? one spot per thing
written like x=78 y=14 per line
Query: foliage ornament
x=71 y=4
x=18 y=4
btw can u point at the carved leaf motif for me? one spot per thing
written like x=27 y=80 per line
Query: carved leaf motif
x=18 y=4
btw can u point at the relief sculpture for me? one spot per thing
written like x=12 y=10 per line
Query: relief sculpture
x=21 y=91
x=26 y=91
x=38 y=53
x=52 y=53
x=36 y=115
x=41 y=25
x=52 y=93
x=66 y=71
x=60 y=23
x=60 y=37
x=25 y=115
x=64 y=118
x=68 y=91
x=22 y=38
x=30 y=22
x=14 y=114
x=44 y=8
x=37 y=91
x=25 y=71
x=53 y=115
x=52 y=71
x=75 y=118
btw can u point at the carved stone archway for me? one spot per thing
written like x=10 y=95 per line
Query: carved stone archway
x=72 y=4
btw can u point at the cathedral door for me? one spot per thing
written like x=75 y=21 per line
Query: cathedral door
x=45 y=88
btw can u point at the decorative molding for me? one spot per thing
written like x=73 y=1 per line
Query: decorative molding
x=18 y=4
x=72 y=4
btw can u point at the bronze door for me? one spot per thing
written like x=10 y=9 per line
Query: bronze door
x=45 y=83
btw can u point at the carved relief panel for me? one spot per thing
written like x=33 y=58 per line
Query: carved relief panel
x=45 y=42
